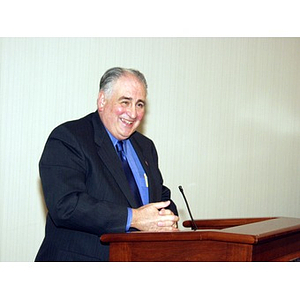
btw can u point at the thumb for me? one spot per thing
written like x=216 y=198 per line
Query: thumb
x=161 y=204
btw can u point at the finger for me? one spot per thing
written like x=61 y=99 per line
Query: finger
x=161 y=204
x=165 y=212
x=165 y=222
x=163 y=226
x=167 y=229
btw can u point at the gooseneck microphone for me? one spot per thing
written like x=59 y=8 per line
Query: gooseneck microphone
x=194 y=226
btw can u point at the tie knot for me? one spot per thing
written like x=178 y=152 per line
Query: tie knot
x=119 y=146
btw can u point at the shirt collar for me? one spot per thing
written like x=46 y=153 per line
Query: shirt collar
x=115 y=140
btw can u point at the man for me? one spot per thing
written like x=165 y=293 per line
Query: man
x=87 y=169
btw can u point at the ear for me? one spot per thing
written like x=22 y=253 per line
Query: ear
x=101 y=101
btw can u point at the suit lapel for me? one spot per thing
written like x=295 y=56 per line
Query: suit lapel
x=139 y=151
x=110 y=158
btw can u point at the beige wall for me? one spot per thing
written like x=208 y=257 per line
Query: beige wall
x=224 y=114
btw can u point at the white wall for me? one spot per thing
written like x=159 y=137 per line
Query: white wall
x=224 y=114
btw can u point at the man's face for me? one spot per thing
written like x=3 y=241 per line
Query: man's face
x=123 y=112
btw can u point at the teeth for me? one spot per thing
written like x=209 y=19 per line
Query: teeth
x=127 y=122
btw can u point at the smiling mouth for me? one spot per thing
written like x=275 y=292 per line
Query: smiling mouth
x=126 y=122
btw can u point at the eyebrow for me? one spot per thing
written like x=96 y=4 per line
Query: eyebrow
x=125 y=98
x=130 y=99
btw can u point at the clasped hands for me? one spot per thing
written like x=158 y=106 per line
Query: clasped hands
x=154 y=217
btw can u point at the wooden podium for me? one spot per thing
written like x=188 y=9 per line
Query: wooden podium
x=250 y=239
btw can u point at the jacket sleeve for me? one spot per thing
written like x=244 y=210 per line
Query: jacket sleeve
x=64 y=172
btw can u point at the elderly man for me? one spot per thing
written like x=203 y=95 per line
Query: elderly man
x=100 y=175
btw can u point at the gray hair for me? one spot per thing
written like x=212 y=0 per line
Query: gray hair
x=110 y=77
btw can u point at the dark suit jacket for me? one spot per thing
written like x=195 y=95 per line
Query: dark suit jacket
x=86 y=191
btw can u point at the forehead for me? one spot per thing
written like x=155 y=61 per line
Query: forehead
x=129 y=84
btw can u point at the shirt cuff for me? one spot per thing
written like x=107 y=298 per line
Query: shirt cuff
x=129 y=218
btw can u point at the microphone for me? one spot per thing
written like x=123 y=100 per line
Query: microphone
x=194 y=226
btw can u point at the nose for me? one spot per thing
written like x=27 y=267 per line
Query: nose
x=132 y=112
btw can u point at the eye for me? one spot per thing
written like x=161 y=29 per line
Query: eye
x=125 y=102
x=140 y=104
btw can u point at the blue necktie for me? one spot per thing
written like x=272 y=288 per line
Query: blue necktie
x=132 y=183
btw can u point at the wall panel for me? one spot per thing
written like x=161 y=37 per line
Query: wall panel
x=224 y=114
